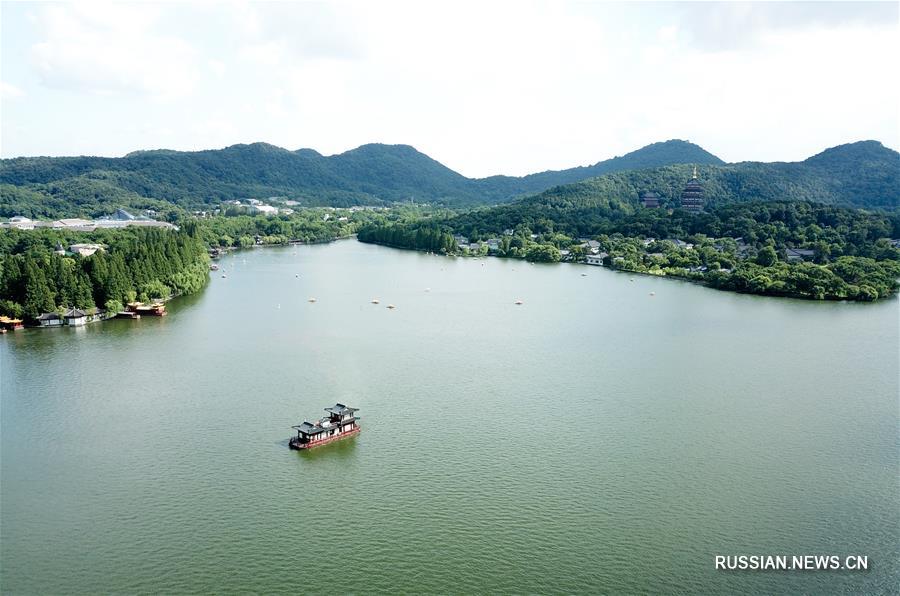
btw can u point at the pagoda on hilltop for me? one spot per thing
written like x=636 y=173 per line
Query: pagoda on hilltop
x=692 y=195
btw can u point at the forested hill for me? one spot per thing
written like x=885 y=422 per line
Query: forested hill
x=371 y=174
x=864 y=174
x=651 y=156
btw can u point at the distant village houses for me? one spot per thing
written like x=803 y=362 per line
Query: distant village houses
x=590 y=247
x=265 y=209
x=120 y=219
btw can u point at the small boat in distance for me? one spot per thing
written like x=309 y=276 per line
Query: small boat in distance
x=375 y=301
x=312 y=300
x=519 y=302
x=340 y=423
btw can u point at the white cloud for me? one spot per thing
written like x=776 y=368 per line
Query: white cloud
x=731 y=25
x=486 y=88
x=10 y=91
x=307 y=30
x=266 y=53
x=111 y=49
x=217 y=67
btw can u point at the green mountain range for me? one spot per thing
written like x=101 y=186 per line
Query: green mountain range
x=864 y=174
x=370 y=174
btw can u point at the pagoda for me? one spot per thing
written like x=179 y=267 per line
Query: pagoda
x=692 y=195
x=650 y=199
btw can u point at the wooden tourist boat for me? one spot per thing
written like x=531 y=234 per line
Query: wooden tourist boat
x=340 y=423
x=9 y=324
x=157 y=309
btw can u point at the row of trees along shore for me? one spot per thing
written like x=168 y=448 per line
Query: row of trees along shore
x=134 y=264
x=737 y=247
x=853 y=258
x=146 y=263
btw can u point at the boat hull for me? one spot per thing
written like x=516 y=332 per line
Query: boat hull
x=295 y=444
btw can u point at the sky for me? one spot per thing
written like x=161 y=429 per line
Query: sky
x=483 y=87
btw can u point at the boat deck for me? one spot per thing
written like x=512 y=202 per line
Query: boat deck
x=296 y=444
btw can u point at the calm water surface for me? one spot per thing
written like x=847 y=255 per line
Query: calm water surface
x=593 y=439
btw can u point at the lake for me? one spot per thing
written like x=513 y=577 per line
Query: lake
x=595 y=438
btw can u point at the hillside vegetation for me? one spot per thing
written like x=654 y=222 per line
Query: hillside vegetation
x=369 y=175
x=864 y=174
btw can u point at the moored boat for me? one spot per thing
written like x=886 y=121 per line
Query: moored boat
x=340 y=423
x=157 y=309
x=9 y=324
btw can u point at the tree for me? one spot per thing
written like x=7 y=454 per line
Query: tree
x=38 y=297
x=155 y=289
x=543 y=253
x=113 y=306
x=767 y=256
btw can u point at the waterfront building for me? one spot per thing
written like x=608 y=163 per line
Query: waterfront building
x=50 y=319
x=75 y=317
x=692 y=195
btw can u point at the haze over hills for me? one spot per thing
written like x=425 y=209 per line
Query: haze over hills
x=863 y=174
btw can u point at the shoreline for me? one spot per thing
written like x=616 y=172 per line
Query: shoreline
x=228 y=249
x=699 y=282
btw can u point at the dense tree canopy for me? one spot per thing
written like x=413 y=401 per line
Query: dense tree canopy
x=141 y=263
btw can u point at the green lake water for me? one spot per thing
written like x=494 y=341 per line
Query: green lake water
x=596 y=438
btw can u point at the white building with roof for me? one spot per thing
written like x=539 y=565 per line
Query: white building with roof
x=85 y=250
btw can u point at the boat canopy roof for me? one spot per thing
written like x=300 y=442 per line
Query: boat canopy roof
x=308 y=428
x=341 y=409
